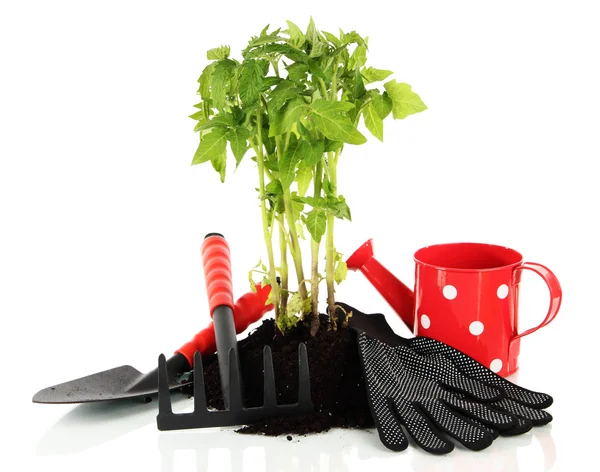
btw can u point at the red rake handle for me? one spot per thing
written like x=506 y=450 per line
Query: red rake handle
x=249 y=308
x=217 y=271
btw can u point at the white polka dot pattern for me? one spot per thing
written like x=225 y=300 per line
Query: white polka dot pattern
x=450 y=292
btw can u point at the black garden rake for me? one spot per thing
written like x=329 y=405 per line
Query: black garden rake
x=217 y=271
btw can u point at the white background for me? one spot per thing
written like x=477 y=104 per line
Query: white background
x=102 y=216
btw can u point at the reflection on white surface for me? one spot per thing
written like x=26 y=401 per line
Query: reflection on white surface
x=335 y=450
x=504 y=455
x=221 y=449
x=91 y=424
x=339 y=451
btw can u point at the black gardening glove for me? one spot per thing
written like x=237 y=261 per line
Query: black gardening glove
x=430 y=389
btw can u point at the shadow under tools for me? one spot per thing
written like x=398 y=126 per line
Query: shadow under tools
x=91 y=424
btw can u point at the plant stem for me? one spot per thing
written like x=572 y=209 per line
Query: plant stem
x=330 y=248
x=283 y=269
x=314 y=326
x=265 y=218
x=295 y=244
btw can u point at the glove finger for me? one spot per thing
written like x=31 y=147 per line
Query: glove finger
x=537 y=417
x=470 y=434
x=420 y=428
x=523 y=426
x=471 y=368
x=473 y=387
x=493 y=432
x=537 y=400
x=388 y=427
x=484 y=413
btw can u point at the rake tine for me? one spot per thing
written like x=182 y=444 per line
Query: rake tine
x=303 y=376
x=199 y=389
x=164 y=397
x=235 y=387
x=270 y=399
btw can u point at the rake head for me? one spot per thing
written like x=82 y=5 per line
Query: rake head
x=235 y=412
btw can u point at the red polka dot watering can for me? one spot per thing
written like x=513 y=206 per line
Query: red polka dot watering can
x=465 y=295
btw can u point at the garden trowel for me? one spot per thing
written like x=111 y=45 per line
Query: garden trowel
x=127 y=382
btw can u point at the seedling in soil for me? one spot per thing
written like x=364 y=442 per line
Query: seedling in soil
x=296 y=99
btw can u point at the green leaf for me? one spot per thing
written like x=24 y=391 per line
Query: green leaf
x=332 y=39
x=330 y=145
x=219 y=164
x=318 y=49
x=219 y=82
x=219 y=53
x=352 y=37
x=312 y=35
x=251 y=281
x=280 y=95
x=371 y=74
x=340 y=272
x=238 y=115
x=199 y=115
x=315 y=154
x=204 y=80
x=404 y=101
x=268 y=82
x=238 y=141
x=297 y=72
x=303 y=177
x=373 y=121
x=277 y=50
x=284 y=120
x=358 y=89
x=212 y=146
x=272 y=165
x=382 y=103
x=223 y=120
x=297 y=38
x=312 y=201
x=338 y=207
x=358 y=57
x=251 y=80
x=328 y=188
x=274 y=188
x=294 y=304
x=329 y=119
x=264 y=38
x=289 y=161
x=316 y=223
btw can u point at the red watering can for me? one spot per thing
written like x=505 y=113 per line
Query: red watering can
x=466 y=296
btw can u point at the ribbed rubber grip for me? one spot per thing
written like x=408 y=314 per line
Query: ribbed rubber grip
x=217 y=272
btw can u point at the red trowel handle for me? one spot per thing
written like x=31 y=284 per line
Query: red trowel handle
x=249 y=308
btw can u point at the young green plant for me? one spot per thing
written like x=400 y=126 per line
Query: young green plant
x=296 y=99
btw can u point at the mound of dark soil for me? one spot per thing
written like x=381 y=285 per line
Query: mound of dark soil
x=337 y=387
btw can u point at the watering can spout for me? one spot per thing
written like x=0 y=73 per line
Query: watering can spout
x=399 y=296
